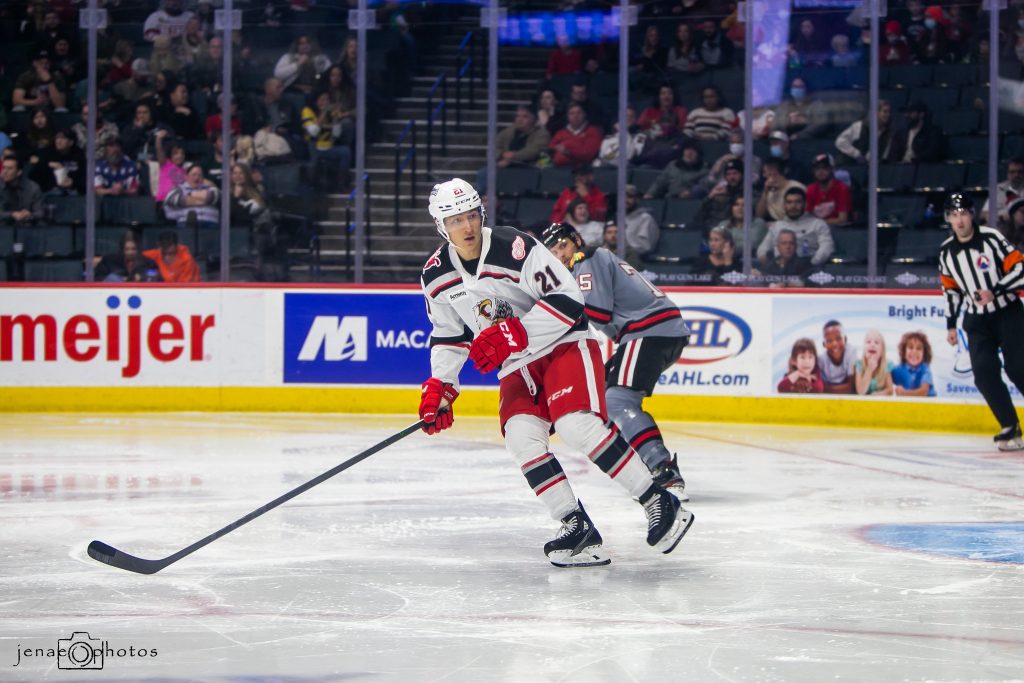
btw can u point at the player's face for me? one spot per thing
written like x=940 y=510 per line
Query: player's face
x=805 y=362
x=564 y=249
x=914 y=352
x=464 y=232
x=962 y=223
x=835 y=344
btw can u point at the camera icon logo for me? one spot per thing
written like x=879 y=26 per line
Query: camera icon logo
x=80 y=651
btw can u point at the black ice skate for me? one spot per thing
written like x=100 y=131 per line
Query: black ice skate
x=578 y=543
x=1009 y=439
x=667 y=520
x=666 y=475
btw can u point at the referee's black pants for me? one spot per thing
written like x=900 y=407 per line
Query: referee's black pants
x=986 y=334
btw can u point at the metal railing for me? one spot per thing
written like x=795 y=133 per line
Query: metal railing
x=408 y=161
x=350 y=225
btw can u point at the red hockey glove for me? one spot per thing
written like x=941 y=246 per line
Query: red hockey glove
x=496 y=343
x=436 y=405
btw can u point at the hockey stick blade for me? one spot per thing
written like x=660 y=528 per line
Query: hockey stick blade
x=108 y=554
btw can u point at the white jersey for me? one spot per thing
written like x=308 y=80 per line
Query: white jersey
x=514 y=276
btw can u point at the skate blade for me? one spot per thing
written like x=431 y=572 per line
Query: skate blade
x=591 y=556
x=1011 y=445
x=684 y=520
x=680 y=493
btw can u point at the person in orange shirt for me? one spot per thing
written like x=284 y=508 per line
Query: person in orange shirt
x=174 y=260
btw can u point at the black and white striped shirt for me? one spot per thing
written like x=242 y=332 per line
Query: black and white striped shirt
x=986 y=261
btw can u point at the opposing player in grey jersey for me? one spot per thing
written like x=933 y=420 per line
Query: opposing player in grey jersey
x=650 y=336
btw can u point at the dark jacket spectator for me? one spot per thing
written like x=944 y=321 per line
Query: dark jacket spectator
x=61 y=168
x=715 y=50
x=21 y=200
x=523 y=141
x=127 y=264
x=921 y=141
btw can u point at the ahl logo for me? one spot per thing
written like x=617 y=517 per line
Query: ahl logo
x=519 y=249
x=343 y=338
x=715 y=335
x=983 y=262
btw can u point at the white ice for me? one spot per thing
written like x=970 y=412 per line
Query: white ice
x=424 y=562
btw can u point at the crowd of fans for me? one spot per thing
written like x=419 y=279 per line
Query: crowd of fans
x=160 y=104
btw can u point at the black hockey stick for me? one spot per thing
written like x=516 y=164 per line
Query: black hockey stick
x=115 y=558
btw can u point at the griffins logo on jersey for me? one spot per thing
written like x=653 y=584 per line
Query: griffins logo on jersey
x=983 y=262
x=434 y=260
x=489 y=311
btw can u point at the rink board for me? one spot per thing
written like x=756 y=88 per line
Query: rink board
x=365 y=349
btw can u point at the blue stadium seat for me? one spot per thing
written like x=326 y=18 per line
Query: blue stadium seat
x=895 y=177
x=54 y=270
x=655 y=207
x=959 y=122
x=48 y=240
x=936 y=99
x=939 y=177
x=282 y=178
x=554 y=180
x=851 y=244
x=134 y=211
x=679 y=213
x=904 y=211
x=67 y=208
x=682 y=244
x=533 y=211
x=6 y=239
x=906 y=75
x=918 y=246
x=643 y=178
x=606 y=178
x=515 y=181
x=967 y=148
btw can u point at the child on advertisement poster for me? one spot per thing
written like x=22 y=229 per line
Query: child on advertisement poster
x=873 y=372
x=913 y=376
x=804 y=376
x=838 y=359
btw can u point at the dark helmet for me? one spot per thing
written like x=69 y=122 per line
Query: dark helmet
x=558 y=231
x=958 y=201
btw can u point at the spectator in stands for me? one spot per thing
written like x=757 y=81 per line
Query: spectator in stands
x=842 y=56
x=642 y=230
x=912 y=19
x=174 y=260
x=550 y=113
x=215 y=122
x=808 y=48
x=813 y=238
x=837 y=362
x=712 y=120
x=104 y=133
x=522 y=143
x=579 y=94
x=324 y=128
x=715 y=207
x=801 y=116
x=855 y=141
x=959 y=28
x=193 y=42
x=139 y=139
x=718 y=165
x=913 y=376
x=205 y=16
x=583 y=188
x=921 y=141
x=299 y=68
x=828 y=198
x=608 y=155
x=873 y=372
x=39 y=86
x=772 y=204
x=115 y=174
x=610 y=241
x=271 y=112
x=784 y=268
x=180 y=117
x=578 y=142
x=664 y=118
x=1013 y=227
x=1007 y=192
x=341 y=93
x=932 y=46
x=141 y=87
x=169 y=21
x=21 y=200
x=120 y=67
x=347 y=60
x=715 y=50
x=127 y=264
x=682 y=177
x=804 y=376
x=779 y=148
x=683 y=56
x=37 y=140
x=721 y=257
x=172 y=165
x=895 y=50
x=647 y=64
x=66 y=62
x=564 y=59
x=578 y=216
x=206 y=71
x=164 y=57
x=61 y=168
x=734 y=223
x=195 y=199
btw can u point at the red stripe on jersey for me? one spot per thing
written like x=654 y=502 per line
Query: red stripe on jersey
x=559 y=316
x=597 y=315
x=557 y=479
x=629 y=456
x=498 y=276
x=651 y=320
x=447 y=285
x=461 y=345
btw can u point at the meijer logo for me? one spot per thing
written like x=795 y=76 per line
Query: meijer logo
x=715 y=335
x=126 y=339
x=342 y=338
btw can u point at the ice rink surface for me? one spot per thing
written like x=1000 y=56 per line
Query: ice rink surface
x=816 y=555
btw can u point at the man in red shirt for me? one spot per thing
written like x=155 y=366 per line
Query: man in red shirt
x=585 y=189
x=578 y=143
x=828 y=198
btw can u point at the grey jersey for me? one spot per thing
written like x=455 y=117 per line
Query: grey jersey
x=621 y=303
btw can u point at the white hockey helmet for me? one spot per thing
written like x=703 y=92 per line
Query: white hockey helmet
x=451 y=198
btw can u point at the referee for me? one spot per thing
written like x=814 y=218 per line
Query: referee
x=981 y=271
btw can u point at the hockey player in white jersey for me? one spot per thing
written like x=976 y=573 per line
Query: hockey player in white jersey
x=499 y=298
x=649 y=333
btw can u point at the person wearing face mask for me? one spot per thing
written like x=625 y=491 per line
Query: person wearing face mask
x=895 y=49
x=801 y=116
x=682 y=177
x=932 y=46
x=791 y=168
x=921 y=141
x=716 y=175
